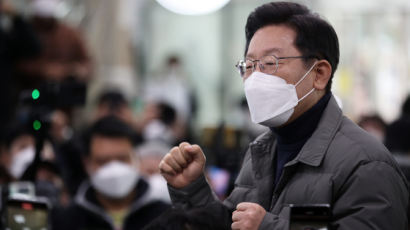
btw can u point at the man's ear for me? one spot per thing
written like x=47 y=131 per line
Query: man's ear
x=323 y=71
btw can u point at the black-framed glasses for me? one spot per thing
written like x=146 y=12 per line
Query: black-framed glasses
x=267 y=64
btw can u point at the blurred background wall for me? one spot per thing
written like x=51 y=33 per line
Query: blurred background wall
x=130 y=41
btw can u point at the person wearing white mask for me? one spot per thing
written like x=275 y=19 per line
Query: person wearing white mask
x=19 y=152
x=312 y=154
x=150 y=154
x=115 y=196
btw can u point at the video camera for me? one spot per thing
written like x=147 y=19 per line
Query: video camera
x=38 y=105
x=22 y=210
x=64 y=94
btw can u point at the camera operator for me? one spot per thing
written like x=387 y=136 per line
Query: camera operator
x=63 y=53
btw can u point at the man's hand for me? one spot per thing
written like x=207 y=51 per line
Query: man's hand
x=248 y=216
x=182 y=165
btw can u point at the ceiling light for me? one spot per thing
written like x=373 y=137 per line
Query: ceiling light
x=193 y=7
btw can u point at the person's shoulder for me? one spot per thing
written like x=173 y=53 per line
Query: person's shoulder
x=157 y=205
x=353 y=145
x=144 y=214
x=353 y=148
x=72 y=210
x=68 y=217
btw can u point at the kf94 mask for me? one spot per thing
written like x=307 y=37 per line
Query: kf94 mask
x=270 y=99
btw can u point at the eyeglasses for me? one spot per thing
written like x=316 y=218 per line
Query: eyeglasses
x=267 y=64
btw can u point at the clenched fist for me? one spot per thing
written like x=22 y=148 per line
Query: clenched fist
x=182 y=165
x=248 y=216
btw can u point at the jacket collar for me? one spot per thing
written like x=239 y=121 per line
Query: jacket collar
x=315 y=148
x=83 y=200
x=312 y=153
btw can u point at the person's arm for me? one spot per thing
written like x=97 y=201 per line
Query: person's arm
x=375 y=197
x=199 y=194
x=183 y=169
x=196 y=194
x=273 y=222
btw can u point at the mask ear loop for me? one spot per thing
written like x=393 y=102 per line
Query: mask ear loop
x=311 y=91
x=304 y=76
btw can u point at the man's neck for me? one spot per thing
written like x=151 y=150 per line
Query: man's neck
x=302 y=128
x=111 y=204
x=305 y=105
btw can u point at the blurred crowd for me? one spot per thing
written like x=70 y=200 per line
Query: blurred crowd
x=104 y=174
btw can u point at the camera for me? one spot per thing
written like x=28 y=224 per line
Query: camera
x=22 y=210
x=64 y=94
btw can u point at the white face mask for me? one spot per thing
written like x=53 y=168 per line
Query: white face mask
x=115 y=179
x=157 y=130
x=270 y=99
x=20 y=161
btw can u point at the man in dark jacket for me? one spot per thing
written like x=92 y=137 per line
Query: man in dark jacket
x=398 y=132
x=312 y=153
x=115 y=197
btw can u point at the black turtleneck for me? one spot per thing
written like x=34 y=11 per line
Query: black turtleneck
x=292 y=137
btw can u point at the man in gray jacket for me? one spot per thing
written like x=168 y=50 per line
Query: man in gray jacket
x=312 y=153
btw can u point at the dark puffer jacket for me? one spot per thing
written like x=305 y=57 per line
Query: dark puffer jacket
x=340 y=165
x=87 y=214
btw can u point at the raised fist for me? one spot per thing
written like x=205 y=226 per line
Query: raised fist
x=182 y=165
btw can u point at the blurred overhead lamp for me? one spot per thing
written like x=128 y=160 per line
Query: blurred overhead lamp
x=193 y=7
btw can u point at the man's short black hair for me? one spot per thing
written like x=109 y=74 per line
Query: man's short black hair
x=114 y=99
x=314 y=36
x=111 y=127
x=167 y=113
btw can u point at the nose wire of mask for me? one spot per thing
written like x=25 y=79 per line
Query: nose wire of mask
x=304 y=76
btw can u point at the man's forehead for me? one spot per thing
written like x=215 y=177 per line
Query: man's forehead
x=106 y=138
x=271 y=40
x=110 y=144
x=266 y=51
